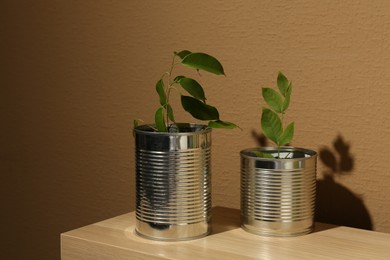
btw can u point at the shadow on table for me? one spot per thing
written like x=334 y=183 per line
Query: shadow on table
x=335 y=204
x=225 y=219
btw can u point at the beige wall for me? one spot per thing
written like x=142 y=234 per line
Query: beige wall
x=75 y=73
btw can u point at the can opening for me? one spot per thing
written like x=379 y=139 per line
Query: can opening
x=286 y=152
x=174 y=128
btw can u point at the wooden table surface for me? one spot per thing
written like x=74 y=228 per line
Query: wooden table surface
x=115 y=239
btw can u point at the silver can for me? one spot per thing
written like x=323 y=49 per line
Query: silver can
x=173 y=182
x=278 y=195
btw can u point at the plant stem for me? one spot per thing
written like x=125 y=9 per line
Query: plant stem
x=281 y=119
x=168 y=90
x=152 y=127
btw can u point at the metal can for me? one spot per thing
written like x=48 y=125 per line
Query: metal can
x=278 y=194
x=173 y=182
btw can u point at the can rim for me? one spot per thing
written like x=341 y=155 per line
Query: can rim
x=195 y=129
x=246 y=153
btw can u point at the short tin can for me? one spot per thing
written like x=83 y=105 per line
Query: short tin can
x=278 y=192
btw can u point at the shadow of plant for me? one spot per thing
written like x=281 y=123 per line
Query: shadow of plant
x=335 y=204
x=260 y=138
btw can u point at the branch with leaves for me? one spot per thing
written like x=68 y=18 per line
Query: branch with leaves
x=272 y=117
x=193 y=100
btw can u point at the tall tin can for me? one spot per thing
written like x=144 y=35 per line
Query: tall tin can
x=173 y=182
x=278 y=195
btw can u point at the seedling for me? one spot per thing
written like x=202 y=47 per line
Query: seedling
x=272 y=117
x=192 y=95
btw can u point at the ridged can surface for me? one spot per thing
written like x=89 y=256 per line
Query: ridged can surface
x=173 y=183
x=278 y=195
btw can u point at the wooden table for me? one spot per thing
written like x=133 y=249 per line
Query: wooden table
x=115 y=239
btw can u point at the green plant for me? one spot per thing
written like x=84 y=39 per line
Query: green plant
x=192 y=95
x=272 y=118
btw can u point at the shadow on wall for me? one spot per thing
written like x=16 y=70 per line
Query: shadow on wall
x=260 y=139
x=336 y=204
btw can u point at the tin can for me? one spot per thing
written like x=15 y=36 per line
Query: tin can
x=173 y=182
x=278 y=195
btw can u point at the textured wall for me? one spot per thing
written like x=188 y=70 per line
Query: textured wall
x=75 y=73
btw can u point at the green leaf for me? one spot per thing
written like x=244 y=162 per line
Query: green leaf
x=203 y=61
x=273 y=99
x=287 y=135
x=170 y=113
x=286 y=102
x=262 y=154
x=271 y=125
x=198 y=109
x=178 y=78
x=193 y=87
x=136 y=122
x=159 y=120
x=182 y=54
x=161 y=92
x=222 y=124
x=282 y=83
